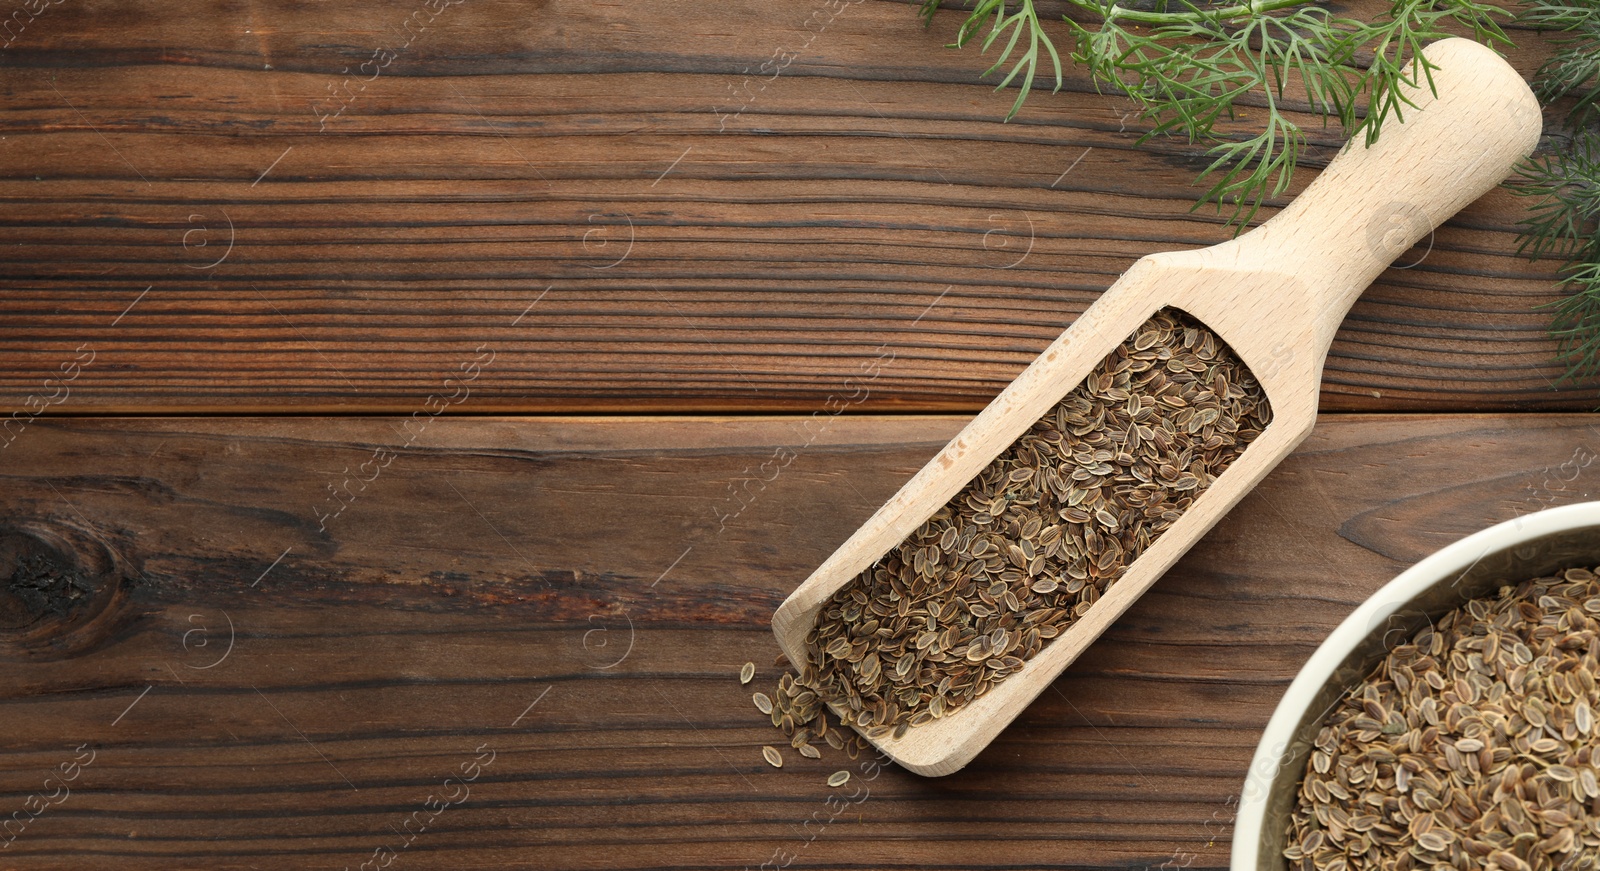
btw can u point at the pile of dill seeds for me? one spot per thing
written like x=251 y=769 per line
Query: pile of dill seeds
x=1472 y=745
x=1035 y=539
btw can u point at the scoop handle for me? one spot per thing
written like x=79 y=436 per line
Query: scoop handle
x=1461 y=138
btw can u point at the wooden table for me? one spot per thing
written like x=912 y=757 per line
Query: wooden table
x=393 y=384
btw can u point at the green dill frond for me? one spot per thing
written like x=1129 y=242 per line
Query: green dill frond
x=1022 y=23
x=1576 y=323
x=1188 y=67
x=1574 y=69
x=1563 y=221
x=1565 y=187
x=1387 y=53
x=1189 y=70
x=1191 y=66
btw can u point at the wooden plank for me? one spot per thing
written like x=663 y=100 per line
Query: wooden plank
x=626 y=205
x=571 y=599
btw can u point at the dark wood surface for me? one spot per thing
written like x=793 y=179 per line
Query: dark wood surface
x=382 y=544
x=715 y=207
x=259 y=694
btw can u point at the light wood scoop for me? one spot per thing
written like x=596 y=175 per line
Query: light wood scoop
x=1274 y=295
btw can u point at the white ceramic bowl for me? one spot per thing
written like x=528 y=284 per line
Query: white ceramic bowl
x=1527 y=547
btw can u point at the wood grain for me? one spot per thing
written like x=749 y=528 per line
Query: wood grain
x=262 y=694
x=623 y=202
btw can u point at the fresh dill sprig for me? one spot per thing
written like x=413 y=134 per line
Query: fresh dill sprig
x=1564 y=222
x=1574 y=69
x=1190 y=68
x=1186 y=72
x=1025 y=19
x=1563 y=181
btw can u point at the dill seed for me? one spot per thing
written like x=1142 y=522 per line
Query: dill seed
x=1433 y=842
x=763 y=703
x=773 y=757
x=838 y=778
x=1468 y=746
x=1028 y=546
x=800 y=714
x=747 y=673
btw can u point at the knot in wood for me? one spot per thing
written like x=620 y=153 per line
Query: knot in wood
x=58 y=586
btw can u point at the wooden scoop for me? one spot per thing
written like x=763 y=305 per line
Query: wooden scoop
x=1274 y=295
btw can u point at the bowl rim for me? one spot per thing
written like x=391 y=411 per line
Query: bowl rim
x=1452 y=559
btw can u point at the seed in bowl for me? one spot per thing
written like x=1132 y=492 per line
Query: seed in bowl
x=1029 y=545
x=1471 y=745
